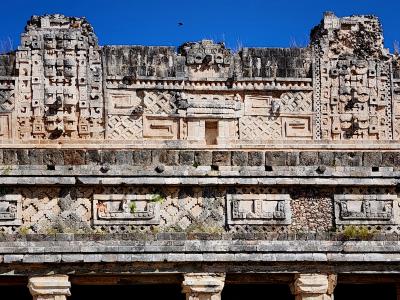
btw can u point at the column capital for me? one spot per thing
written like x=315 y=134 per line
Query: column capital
x=313 y=284
x=204 y=283
x=57 y=285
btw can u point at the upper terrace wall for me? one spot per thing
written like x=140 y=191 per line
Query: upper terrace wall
x=61 y=86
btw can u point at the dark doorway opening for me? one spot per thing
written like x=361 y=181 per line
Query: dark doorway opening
x=18 y=292
x=211 y=132
x=365 y=291
x=255 y=291
x=145 y=291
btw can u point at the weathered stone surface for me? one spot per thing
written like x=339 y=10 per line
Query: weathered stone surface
x=53 y=157
x=313 y=286
x=186 y=158
x=221 y=158
x=239 y=158
x=203 y=286
x=67 y=97
x=275 y=158
x=256 y=158
x=203 y=158
x=143 y=158
x=50 y=287
x=74 y=157
x=352 y=159
x=308 y=158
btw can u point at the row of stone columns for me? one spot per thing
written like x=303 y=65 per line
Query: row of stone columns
x=196 y=286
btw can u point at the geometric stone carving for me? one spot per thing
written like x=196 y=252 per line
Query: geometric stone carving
x=6 y=101
x=297 y=127
x=366 y=209
x=258 y=105
x=131 y=209
x=203 y=286
x=54 y=287
x=259 y=128
x=210 y=106
x=313 y=286
x=10 y=209
x=258 y=209
x=124 y=127
x=296 y=102
x=270 y=104
x=158 y=103
x=158 y=127
x=123 y=103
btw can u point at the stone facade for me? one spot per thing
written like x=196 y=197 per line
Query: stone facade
x=199 y=161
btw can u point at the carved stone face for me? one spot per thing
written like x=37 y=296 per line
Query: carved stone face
x=70 y=41
x=50 y=68
x=50 y=41
x=70 y=68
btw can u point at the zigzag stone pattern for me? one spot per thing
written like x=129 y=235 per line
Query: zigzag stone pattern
x=198 y=165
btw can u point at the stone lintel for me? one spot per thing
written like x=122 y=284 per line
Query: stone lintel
x=49 y=287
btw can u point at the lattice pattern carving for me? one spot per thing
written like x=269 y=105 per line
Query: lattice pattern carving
x=46 y=210
x=296 y=102
x=158 y=103
x=194 y=208
x=124 y=128
x=259 y=128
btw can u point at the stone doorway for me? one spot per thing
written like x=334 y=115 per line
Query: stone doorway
x=365 y=291
x=254 y=291
x=211 y=132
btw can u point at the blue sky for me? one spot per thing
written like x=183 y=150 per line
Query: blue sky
x=263 y=23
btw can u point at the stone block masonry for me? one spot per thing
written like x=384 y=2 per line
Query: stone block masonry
x=199 y=162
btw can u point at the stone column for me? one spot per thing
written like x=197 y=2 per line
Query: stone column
x=313 y=286
x=49 y=287
x=203 y=286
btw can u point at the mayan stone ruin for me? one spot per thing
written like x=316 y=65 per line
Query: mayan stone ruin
x=199 y=172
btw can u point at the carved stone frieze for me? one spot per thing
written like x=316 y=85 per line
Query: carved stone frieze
x=61 y=94
x=258 y=209
x=207 y=59
x=10 y=209
x=366 y=209
x=125 y=209
x=61 y=85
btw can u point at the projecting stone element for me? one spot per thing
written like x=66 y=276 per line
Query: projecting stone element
x=49 y=287
x=353 y=95
x=258 y=209
x=60 y=80
x=366 y=209
x=314 y=286
x=10 y=209
x=203 y=286
x=126 y=209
